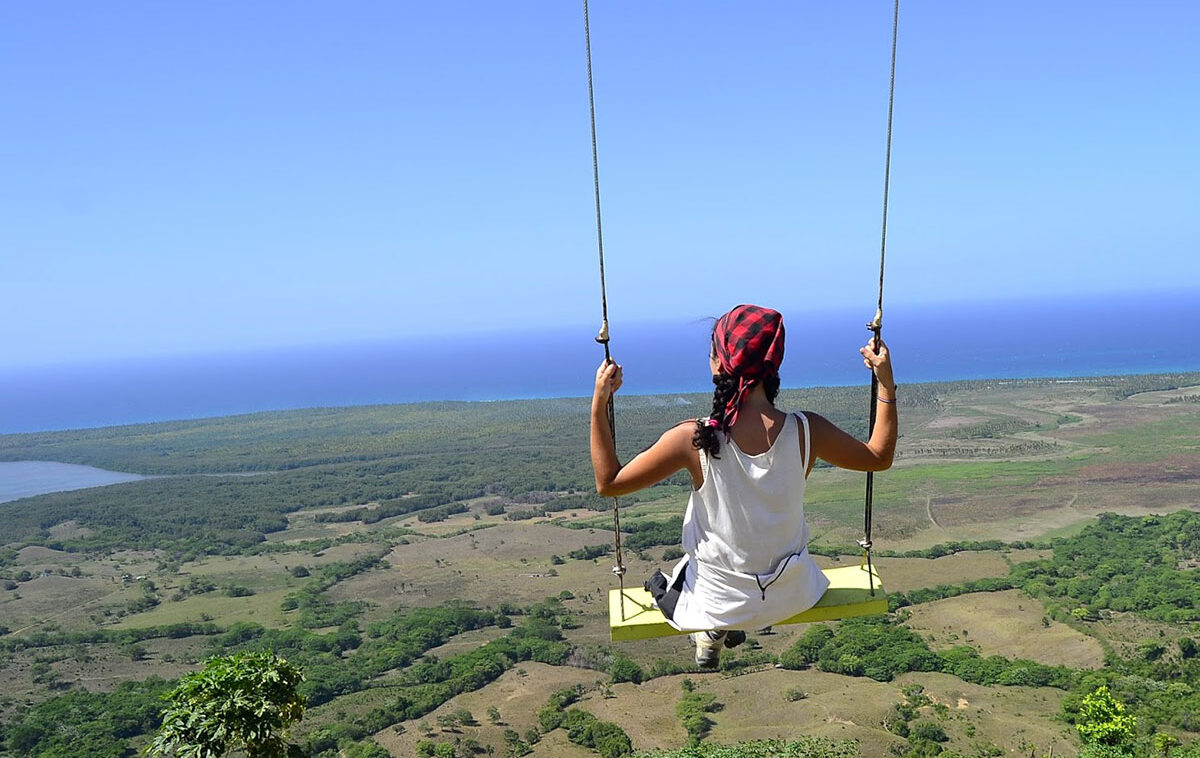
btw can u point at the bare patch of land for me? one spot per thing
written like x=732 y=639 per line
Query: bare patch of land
x=509 y=561
x=1009 y=624
x=904 y=574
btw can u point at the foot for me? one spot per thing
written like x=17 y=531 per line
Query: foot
x=708 y=648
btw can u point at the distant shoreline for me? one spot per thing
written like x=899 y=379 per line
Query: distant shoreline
x=1190 y=378
x=1051 y=339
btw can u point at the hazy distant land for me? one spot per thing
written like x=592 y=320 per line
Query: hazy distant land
x=1124 y=334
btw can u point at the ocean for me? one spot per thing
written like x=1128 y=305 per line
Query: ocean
x=1068 y=337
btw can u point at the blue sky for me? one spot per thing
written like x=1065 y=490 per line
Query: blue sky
x=199 y=176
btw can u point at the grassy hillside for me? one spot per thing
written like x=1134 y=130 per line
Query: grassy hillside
x=421 y=561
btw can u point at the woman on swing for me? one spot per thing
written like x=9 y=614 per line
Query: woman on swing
x=746 y=563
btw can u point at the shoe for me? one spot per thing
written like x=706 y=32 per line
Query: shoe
x=708 y=648
x=734 y=637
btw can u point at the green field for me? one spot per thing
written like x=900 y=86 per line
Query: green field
x=315 y=531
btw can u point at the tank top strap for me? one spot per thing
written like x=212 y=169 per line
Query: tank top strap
x=704 y=462
x=807 y=452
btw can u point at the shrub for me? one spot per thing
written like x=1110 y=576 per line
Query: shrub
x=807 y=649
x=693 y=709
x=927 y=730
x=1102 y=720
x=550 y=717
x=794 y=694
x=625 y=669
x=604 y=737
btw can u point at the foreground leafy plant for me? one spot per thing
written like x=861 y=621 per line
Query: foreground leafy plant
x=1103 y=721
x=804 y=747
x=244 y=702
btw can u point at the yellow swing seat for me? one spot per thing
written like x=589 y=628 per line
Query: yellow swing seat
x=849 y=595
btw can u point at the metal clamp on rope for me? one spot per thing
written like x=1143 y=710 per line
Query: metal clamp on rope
x=602 y=337
x=864 y=544
x=876 y=323
x=618 y=570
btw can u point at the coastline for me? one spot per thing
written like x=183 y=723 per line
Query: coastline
x=1184 y=374
x=1061 y=338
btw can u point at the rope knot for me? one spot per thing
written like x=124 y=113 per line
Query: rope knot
x=876 y=324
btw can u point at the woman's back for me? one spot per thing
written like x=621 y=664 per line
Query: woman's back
x=758 y=429
x=749 y=512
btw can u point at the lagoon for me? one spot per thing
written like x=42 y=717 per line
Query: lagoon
x=20 y=479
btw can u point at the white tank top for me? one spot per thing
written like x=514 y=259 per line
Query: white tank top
x=747 y=564
x=749 y=512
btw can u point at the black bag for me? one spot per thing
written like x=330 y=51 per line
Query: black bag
x=665 y=595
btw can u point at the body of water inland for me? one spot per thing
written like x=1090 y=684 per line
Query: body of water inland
x=20 y=479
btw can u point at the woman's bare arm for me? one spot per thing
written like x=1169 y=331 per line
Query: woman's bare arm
x=673 y=450
x=844 y=451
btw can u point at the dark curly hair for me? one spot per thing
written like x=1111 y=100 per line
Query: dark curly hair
x=706 y=437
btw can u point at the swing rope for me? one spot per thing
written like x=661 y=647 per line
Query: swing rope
x=876 y=324
x=602 y=337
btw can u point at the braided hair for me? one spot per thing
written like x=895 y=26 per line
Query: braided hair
x=726 y=386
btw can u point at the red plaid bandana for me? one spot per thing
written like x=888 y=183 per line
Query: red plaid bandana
x=749 y=345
